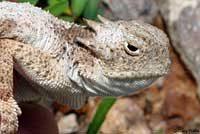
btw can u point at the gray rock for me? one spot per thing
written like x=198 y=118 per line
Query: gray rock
x=183 y=21
x=145 y=10
x=68 y=124
x=125 y=117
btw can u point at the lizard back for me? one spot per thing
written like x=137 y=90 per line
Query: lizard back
x=31 y=25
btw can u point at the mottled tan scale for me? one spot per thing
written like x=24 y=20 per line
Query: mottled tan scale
x=10 y=50
x=9 y=109
x=67 y=63
x=6 y=72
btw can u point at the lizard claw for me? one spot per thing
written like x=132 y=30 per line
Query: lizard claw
x=9 y=110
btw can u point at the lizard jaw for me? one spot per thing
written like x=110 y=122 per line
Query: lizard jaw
x=108 y=87
x=98 y=84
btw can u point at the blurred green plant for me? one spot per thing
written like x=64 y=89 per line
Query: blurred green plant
x=71 y=10
x=160 y=131
x=57 y=7
x=91 y=10
x=100 y=114
x=34 y=2
x=78 y=7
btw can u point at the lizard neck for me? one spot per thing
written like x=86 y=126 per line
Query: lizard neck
x=80 y=60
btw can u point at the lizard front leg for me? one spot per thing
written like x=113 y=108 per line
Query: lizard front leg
x=9 y=109
x=46 y=73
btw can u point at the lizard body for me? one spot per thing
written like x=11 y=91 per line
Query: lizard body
x=67 y=62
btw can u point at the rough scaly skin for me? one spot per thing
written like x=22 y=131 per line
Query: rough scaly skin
x=67 y=62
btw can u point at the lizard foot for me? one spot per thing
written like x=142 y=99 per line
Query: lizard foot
x=9 y=110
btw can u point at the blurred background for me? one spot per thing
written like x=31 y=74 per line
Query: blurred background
x=170 y=105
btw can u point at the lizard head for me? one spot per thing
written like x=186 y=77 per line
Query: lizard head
x=130 y=55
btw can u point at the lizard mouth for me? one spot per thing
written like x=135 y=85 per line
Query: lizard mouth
x=147 y=72
x=115 y=87
x=100 y=84
x=135 y=75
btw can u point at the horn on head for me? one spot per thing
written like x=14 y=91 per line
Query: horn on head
x=88 y=43
x=83 y=41
x=104 y=20
x=94 y=25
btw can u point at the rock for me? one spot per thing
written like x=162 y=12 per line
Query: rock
x=176 y=103
x=180 y=102
x=68 y=124
x=125 y=117
x=145 y=10
x=175 y=124
x=139 y=127
x=182 y=20
x=157 y=123
x=194 y=125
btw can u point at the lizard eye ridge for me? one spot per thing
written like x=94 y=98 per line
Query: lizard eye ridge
x=131 y=49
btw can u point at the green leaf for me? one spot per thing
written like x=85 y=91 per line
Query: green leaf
x=67 y=18
x=100 y=114
x=78 y=7
x=91 y=9
x=160 y=131
x=33 y=2
x=58 y=8
x=53 y=2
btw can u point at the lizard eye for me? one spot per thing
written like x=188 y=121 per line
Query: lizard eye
x=131 y=49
